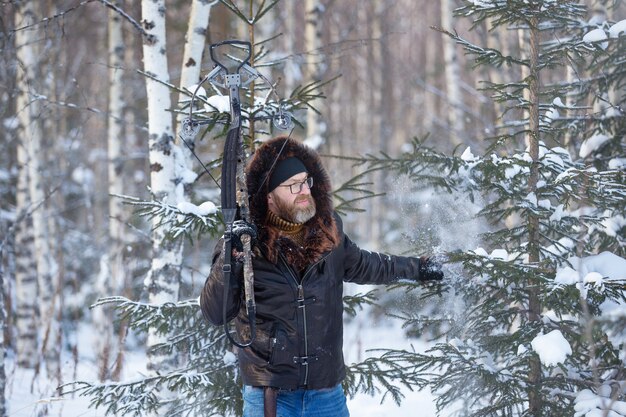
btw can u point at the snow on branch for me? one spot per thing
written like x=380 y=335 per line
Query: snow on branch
x=185 y=219
x=163 y=318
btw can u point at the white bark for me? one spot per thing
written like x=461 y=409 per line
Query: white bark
x=452 y=76
x=26 y=315
x=3 y=324
x=374 y=118
x=31 y=135
x=292 y=70
x=523 y=48
x=163 y=280
x=313 y=43
x=570 y=78
x=192 y=58
x=111 y=278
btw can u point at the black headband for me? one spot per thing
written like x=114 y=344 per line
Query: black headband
x=284 y=170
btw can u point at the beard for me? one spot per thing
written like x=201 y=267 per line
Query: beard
x=294 y=214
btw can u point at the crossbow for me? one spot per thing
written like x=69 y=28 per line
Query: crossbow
x=234 y=194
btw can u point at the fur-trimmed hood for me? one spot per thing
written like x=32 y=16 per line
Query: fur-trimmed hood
x=320 y=232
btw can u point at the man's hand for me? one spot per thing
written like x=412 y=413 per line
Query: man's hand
x=240 y=228
x=430 y=269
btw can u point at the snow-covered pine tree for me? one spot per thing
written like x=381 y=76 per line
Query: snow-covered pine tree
x=542 y=330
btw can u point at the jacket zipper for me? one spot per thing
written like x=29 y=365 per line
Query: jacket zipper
x=301 y=300
x=306 y=341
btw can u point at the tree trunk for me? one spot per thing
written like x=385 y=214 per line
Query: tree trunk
x=534 y=307
x=452 y=79
x=525 y=71
x=3 y=324
x=111 y=277
x=375 y=66
x=291 y=71
x=26 y=315
x=133 y=163
x=29 y=108
x=313 y=42
x=192 y=59
x=569 y=141
x=163 y=280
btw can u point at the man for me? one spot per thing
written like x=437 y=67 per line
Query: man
x=301 y=259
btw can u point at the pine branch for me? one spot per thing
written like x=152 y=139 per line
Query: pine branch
x=176 y=222
x=352 y=303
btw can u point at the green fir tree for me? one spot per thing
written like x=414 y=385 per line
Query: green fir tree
x=555 y=215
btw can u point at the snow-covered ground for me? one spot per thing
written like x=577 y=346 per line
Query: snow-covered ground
x=360 y=336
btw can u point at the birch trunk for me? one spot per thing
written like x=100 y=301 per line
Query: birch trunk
x=291 y=67
x=375 y=67
x=313 y=42
x=111 y=278
x=570 y=78
x=135 y=143
x=163 y=280
x=3 y=326
x=192 y=59
x=31 y=134
x=452 y=79
x=26 y=314
x=525 y=72
x=429 y=114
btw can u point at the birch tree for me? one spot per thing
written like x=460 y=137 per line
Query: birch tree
x=169 y=166
x=26 y=314
x=192 y=58
x=111 y=277
x=30 y=154
x=3 y=324
x=452 y=80
x=313 y=44
x=374 y=118
x=292 y=69
x=163 y=280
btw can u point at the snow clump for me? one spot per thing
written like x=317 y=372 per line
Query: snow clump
x=596 y=37
x=205 y=209
x=618 y=29
x=218 y=103
x=617 y=163
x=592 y=144
x=552 y=348
x=590 y=404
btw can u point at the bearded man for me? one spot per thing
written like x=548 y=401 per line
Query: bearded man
x=301 y=258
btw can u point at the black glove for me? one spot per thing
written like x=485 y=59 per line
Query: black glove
x=240 y=228
x=430 y=269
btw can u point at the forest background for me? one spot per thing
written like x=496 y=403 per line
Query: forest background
x=81 y=115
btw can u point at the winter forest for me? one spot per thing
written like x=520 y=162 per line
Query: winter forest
x=488 y=133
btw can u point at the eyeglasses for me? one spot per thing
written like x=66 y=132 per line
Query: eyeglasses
x=296 y=187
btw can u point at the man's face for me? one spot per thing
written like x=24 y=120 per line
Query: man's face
x=296 y=208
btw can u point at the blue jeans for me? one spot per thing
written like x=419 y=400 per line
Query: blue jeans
x=329 y=402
